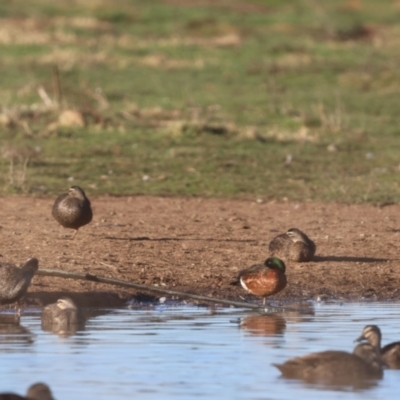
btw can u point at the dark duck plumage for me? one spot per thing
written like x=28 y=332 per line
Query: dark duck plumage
x=333 y=367
x=62 y=317
x=390 y=353
x=38 y=391
x=294 y=245
x=263 y=279
x=73 y=209
x=14 y=281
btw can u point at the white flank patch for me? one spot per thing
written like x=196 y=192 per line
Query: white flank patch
x=244 y=285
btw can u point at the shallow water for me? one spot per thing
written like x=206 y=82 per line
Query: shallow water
x=188 y=352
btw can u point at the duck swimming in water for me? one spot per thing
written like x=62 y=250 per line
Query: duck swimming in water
x=62 y=317
x=390 y=353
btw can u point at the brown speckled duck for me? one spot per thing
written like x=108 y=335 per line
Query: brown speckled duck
x=263 y=279
x=38 y=391
x=294 y=245
x=336 y=367
x=390 y=353
x=14 y=281
x=72 y=209
x=62 y=317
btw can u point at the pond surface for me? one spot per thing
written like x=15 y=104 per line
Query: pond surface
x=170 y=352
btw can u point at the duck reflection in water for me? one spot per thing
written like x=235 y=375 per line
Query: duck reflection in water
x=337 y=369
x=38 y=391
x=12 y=333
x=263 y=325
x=63 y=317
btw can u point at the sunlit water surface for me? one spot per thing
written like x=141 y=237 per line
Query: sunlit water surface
x=185 y=352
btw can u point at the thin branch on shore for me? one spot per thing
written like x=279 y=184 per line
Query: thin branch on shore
x=117 y=282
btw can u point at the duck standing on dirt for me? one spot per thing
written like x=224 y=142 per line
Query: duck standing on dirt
x=263 y=279
x=14 y=281
x=294 y=245
x=38 y=391
x=62 y=317
x=72 y=209
x=390 y=353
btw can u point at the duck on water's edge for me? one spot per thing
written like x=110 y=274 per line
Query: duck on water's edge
x=265 y=279
x=14 y=281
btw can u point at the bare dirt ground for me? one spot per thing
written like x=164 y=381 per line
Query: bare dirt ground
x=199 y=246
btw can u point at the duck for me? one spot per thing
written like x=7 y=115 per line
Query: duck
x=263 y=280
x=334 y=367
x=390 y=353
x=62 y=317
x=294 y=245
x=37 y=391
x=14 y=281
x=73 y=209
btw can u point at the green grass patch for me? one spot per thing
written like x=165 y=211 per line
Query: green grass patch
x=270 y=99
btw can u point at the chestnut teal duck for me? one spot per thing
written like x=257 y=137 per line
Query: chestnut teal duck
x=263 y=279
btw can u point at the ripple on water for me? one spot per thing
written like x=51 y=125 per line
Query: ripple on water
x=188 y=352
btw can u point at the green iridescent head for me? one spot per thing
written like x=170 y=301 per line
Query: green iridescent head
x=275 y=263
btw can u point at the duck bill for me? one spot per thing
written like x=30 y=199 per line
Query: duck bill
x=360 y=339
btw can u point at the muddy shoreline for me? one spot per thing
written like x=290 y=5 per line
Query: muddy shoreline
x=198 y=246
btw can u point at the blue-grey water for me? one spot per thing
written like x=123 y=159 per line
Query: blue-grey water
x=186 y=352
